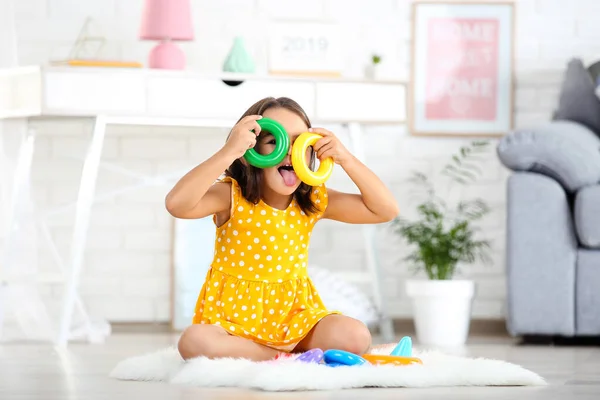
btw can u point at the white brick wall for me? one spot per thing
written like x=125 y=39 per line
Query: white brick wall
x=127 y=273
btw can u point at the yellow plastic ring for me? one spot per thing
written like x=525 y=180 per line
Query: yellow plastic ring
x=303 y=171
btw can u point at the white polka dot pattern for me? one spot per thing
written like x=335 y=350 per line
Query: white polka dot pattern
x=257 y=286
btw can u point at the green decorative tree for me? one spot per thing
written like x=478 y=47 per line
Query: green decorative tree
x=443 y=235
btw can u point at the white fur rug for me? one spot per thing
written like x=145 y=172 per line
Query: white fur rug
x=288 y=375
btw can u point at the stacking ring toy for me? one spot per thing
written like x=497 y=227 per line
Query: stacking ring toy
x=311 y=356
x=380 y=359
x=401 y=355
x=336 y=358
x=404 y=348
x=282 y=145
x=306 y=175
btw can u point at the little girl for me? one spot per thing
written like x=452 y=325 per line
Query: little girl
x=257 y=300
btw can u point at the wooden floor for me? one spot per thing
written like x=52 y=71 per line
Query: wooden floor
x=41 y=372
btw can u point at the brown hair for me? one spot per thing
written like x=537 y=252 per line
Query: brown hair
x=250 y=177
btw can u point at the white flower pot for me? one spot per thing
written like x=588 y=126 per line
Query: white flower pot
x=442 y=311
x=372 y=71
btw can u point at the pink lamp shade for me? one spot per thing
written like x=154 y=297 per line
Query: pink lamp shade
x=167 y=21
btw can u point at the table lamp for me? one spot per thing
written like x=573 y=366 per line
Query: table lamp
x=167 y=21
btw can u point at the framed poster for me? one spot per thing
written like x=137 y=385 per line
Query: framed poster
x=305 y=48
x=462 y=68
x=193 y=250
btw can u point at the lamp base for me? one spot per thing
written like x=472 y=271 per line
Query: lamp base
x=166 y=55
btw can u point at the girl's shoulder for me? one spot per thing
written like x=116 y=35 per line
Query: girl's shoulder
x=238 y=203
x=237 y=196
x=229 y=181
x=319 y=193
x=318 y=196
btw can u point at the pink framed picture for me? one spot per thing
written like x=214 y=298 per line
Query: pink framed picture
x=462 y=81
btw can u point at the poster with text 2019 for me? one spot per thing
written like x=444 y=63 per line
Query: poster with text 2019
x=462 y=69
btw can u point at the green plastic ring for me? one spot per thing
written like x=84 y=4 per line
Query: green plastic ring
x=282 y=145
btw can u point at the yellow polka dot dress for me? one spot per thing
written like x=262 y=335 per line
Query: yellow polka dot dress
x=258 y=287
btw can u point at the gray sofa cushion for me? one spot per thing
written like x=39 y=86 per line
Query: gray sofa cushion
x=588 y=295
x=564 y=150
x=578 y=101
x=587 y=216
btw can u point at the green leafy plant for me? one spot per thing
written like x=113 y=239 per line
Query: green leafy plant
x=376 y=59
x=443 y=235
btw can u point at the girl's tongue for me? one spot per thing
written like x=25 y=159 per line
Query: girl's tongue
x=288 y=175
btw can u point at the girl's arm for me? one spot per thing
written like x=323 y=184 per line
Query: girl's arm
x=374 y=204
x=195 y=195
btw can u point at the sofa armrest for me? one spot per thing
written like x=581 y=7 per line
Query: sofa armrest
x=541 y=256
x=563 y=150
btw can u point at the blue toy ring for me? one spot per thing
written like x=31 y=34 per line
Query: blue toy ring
x=337 y=358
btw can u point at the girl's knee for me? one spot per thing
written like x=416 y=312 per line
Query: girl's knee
x=362 y=339
x=195 y=341
x=187 y=344
x=357 y=339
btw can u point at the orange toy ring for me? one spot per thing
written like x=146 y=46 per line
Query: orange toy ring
x=380 y=359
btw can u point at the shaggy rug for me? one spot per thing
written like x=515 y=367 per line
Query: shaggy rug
x=289 y=375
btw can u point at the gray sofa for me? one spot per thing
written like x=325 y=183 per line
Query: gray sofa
x=553 y=216
x=553 y=230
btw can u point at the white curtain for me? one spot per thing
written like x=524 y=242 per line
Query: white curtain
x=23 y=314
x=8 y=35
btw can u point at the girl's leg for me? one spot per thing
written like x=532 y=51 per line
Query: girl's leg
x=338 y=332
x=212 y=341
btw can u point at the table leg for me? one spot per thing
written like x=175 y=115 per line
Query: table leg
x=19 y=190
x=85 y=201
x=385 y=323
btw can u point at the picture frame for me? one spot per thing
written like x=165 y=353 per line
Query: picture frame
x=305 y=48
x=462 y=68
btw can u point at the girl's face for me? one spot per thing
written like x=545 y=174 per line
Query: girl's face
x=281 y=178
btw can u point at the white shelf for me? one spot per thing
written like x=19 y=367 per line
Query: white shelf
x=182 y=98
x=81 y=91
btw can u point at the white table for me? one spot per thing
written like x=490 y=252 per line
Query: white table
x=181 y=98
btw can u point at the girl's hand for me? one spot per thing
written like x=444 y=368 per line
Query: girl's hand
x=242 y=138
x=330 y=146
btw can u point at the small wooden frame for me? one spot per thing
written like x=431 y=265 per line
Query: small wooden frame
x=305 y=49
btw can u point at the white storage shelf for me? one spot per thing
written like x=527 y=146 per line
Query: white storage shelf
x=150 y=97
x=33 y=91
x=20 y=92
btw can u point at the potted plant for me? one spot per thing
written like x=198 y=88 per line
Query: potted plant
x=442 y=237
x=373 y=67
